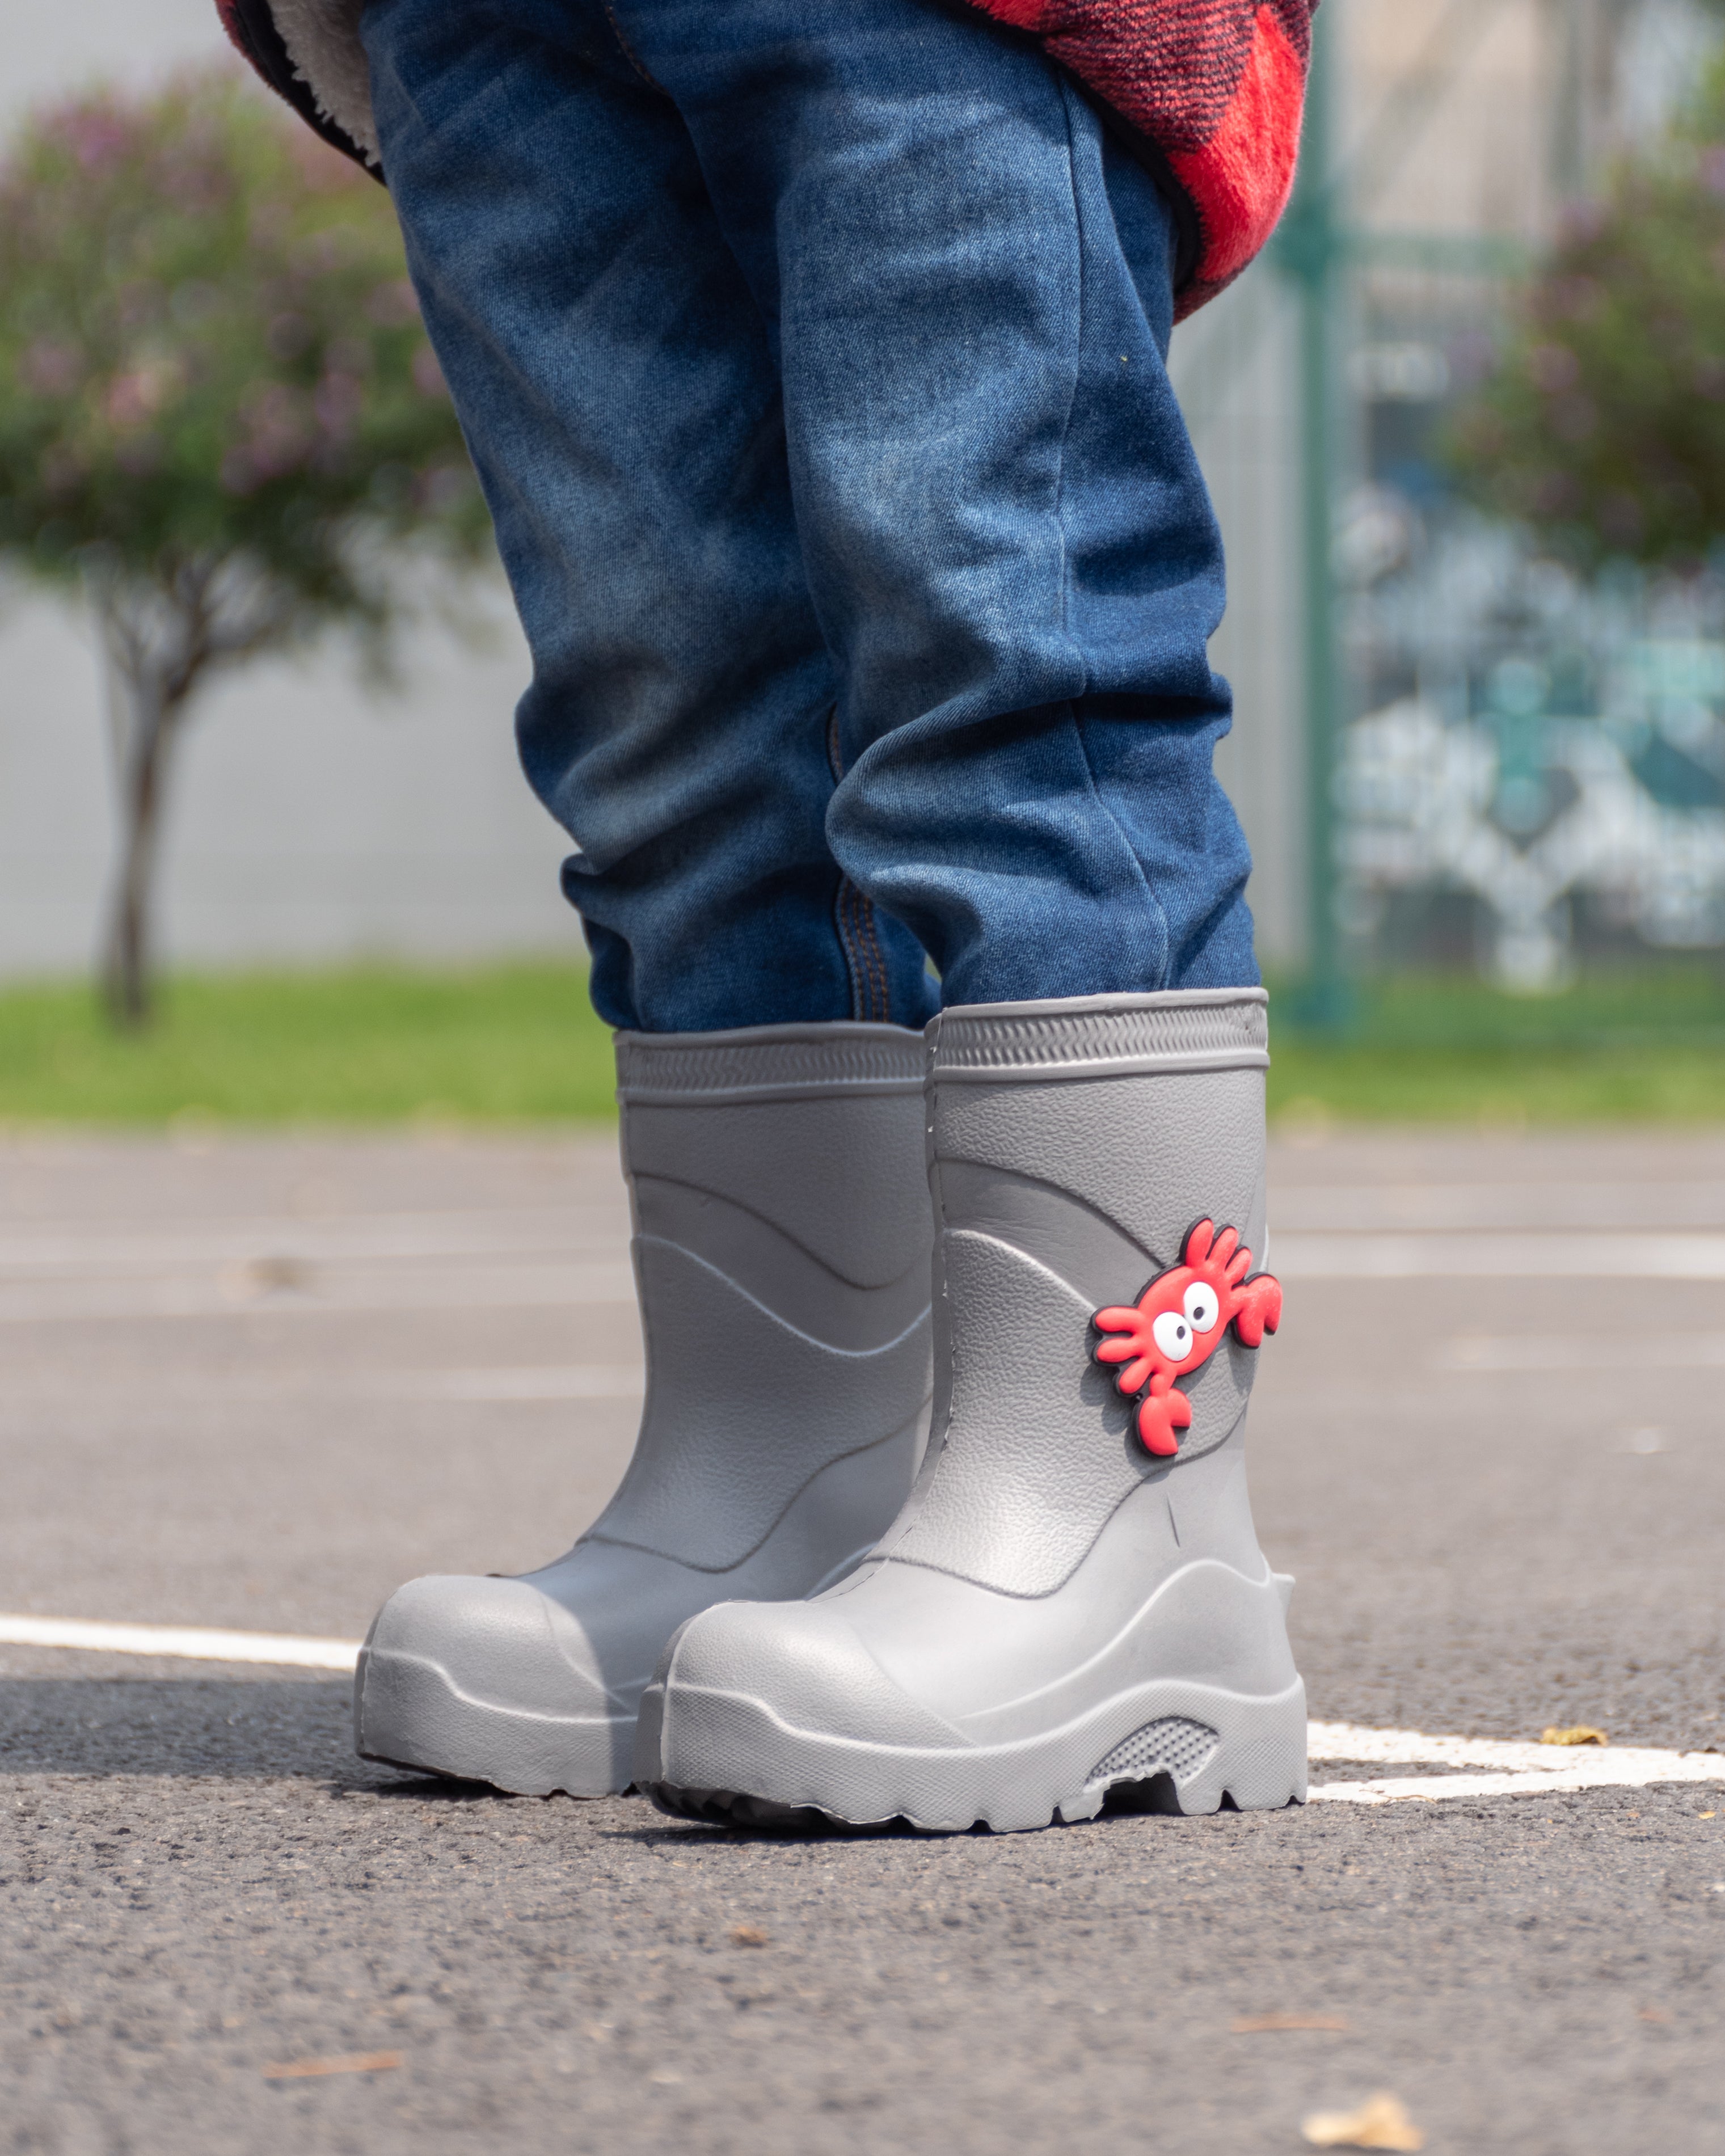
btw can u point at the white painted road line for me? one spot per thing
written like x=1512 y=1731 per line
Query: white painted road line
x=1607 y=1769
x=1524 y=1770
x=1577 y=1350
x=284 y=1282
x=172 y=1391
x=283 y=1290
x=181 y=1643
x=1655 y=1206
x=107 y=1245
x=1301 y=1254
x=298 y=1274
x=1413 y=1748
x=1641 y=1213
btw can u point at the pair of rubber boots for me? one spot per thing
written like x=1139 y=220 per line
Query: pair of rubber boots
x=811 y=1596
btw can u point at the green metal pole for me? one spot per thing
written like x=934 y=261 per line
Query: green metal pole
x=1310 y=246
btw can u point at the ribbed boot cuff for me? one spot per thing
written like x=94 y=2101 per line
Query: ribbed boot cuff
x=1101 y=1037
x=767 y=1063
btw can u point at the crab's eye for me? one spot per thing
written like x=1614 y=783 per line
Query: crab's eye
x=1173 y=1335
x=1201 y=1306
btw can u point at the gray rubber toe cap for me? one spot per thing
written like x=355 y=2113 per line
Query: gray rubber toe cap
x=804 y=1665
x=492 y=1681
x=499 y=1641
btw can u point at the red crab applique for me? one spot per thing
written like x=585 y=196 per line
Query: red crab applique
x=1177 y=1324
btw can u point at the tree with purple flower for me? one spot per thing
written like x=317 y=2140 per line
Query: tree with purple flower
x=221 y=424
x=1602 y=427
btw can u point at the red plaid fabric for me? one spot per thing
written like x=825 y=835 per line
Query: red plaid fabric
x=1214 y=87
x=1210 y=91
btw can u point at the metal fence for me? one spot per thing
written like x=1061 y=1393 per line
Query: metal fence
x=1449 y=749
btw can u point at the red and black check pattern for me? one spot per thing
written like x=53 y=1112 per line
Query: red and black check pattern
x=1213 y=88
x=1210 y=90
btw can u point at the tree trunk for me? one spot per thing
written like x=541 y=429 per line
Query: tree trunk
x=162 y=637
x=127 y=984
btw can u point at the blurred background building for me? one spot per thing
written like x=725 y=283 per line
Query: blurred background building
x=1525 y=766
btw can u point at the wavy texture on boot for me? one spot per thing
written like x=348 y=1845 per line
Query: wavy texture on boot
x=1056 y=1605
x=782 y=1253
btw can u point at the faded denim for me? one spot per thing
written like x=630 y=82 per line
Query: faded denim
x=813 y=362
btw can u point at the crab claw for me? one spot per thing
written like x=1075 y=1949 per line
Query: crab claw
x=1158 y=1419
x=1127 y=1345
x=1260 y=1310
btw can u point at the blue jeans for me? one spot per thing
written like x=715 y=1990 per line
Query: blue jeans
x=813 y=362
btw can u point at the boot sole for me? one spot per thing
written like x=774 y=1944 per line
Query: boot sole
x=408 y=1712
x=1170 y=1746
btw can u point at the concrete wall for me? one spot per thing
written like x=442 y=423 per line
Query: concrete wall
x=309 y=819
x=310 y=816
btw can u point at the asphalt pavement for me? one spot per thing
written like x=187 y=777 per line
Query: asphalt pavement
x=254 y=1385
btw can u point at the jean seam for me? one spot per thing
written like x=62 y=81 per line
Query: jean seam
x=874 y=957
x=1077 y=723
x=1067 y=94
x=854 y=920
x=864 y=1005
x=880 y=1002
x=841 y=922
x=864 y=959
x=627 y=51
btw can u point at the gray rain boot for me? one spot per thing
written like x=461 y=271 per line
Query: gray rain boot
x=782 y=1256
x=1074 y=1596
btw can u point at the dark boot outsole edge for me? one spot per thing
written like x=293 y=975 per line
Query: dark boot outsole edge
x=733 y=1809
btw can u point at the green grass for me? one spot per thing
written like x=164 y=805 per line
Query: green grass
x=516 y=1044
x=519 y=1044
x=1640 y=1045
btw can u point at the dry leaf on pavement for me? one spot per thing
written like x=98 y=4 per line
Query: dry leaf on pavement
x=351 y=2063
x=1580 y=1732
x=747 y=1935
x=1382 y=2121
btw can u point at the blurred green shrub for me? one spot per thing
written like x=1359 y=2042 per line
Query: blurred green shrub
x=1603 y=426
x=220 y=420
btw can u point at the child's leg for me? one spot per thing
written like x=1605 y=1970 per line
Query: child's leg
x=1009 y=543
x=617 y=384
x=1013 y=560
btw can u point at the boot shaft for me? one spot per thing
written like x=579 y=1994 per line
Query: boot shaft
x=781 y=1249
x=1071 y=1147
x=1063 y=1606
